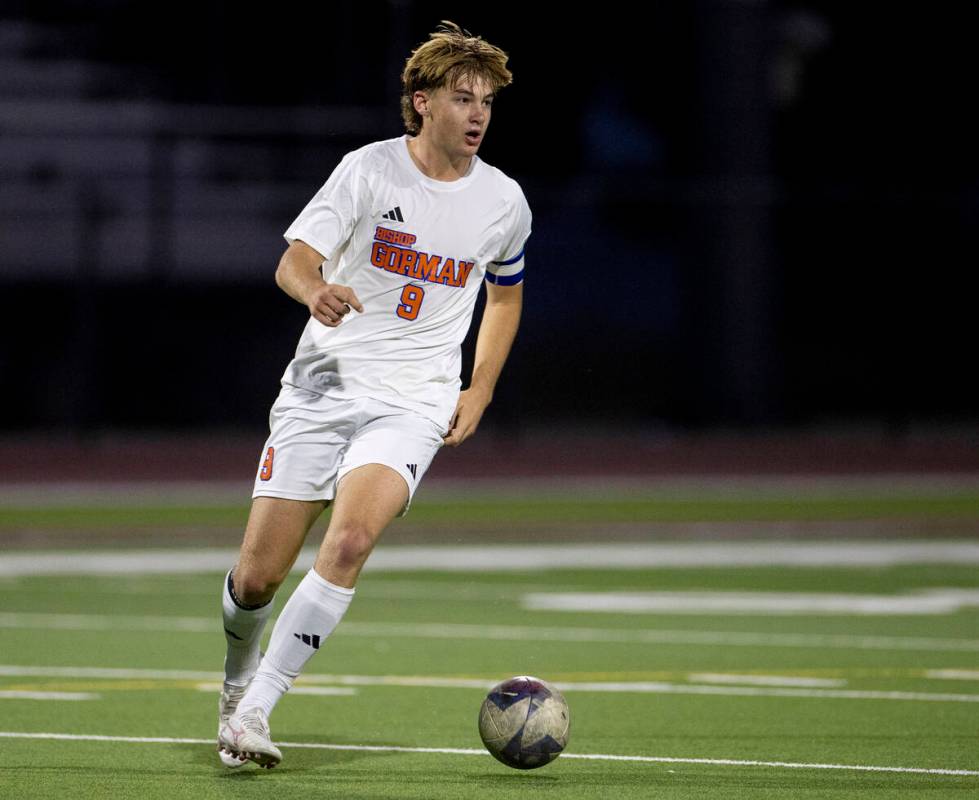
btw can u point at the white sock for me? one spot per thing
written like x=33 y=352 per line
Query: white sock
x=243 y=626
x=313 y=611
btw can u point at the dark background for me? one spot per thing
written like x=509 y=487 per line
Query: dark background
x=746 y=214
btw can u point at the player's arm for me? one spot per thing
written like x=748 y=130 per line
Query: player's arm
x=298 y=275
x=497 y=329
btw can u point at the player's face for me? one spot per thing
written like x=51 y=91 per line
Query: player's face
x=459 y=116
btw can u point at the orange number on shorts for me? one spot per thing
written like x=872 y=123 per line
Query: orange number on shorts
x=266 y=471
x=411 y=301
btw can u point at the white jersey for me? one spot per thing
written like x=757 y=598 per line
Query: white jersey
x=415 y=252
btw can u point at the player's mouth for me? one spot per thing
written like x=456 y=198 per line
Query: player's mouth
x=473 y=137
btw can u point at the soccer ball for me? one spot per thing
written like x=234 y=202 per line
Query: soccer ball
x=524 y=722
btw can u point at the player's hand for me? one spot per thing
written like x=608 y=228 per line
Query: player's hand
x=330 y=302
x=469 y=411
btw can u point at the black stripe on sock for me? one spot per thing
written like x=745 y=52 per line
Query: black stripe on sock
x=233 y=635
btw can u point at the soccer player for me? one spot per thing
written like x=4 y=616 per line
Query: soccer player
x=388 y=257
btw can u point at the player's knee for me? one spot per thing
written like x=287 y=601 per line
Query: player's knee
x=255 y=586
x=351 y=545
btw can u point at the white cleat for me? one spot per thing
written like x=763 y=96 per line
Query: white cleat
x=230 y=697
x=246 y=735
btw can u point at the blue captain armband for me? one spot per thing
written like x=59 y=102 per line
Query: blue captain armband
x=505 y=280
x=504 y=277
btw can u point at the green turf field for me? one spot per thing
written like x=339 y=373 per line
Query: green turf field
x=685 y=700
x=864 y=691
x=685 y=502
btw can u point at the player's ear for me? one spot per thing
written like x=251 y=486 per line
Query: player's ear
x=420 y=100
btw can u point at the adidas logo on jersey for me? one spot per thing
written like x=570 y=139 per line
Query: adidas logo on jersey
x=394 y=214
x=313 y=641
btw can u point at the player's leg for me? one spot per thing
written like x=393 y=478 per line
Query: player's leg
x=381 y=470
x=274 y=535
x=368 y=498
x=377 y=474
x=294 y=482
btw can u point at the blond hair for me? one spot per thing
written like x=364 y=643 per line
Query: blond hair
x=450 y=56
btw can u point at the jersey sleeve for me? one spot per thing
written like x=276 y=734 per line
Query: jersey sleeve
x=328 y=220
x=507 y=270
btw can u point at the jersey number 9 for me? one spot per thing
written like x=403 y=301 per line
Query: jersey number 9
x=411 y=302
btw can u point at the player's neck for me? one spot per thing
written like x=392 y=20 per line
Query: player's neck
x=435 y=162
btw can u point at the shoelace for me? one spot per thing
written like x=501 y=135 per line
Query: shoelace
x=253 y=723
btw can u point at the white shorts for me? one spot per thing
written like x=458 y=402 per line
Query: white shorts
x=316 y=440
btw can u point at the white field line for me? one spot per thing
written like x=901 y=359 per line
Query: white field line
x=208 y=625
x=110 y=673
x=325 y=691
x=953 y=674
x=472 y=752
x=752 y=691
x=101 y=622
x=442 y=682
x=661 y=637
x=19 y=695
x=765 y=680
x=925 y=602
x=520 y=558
